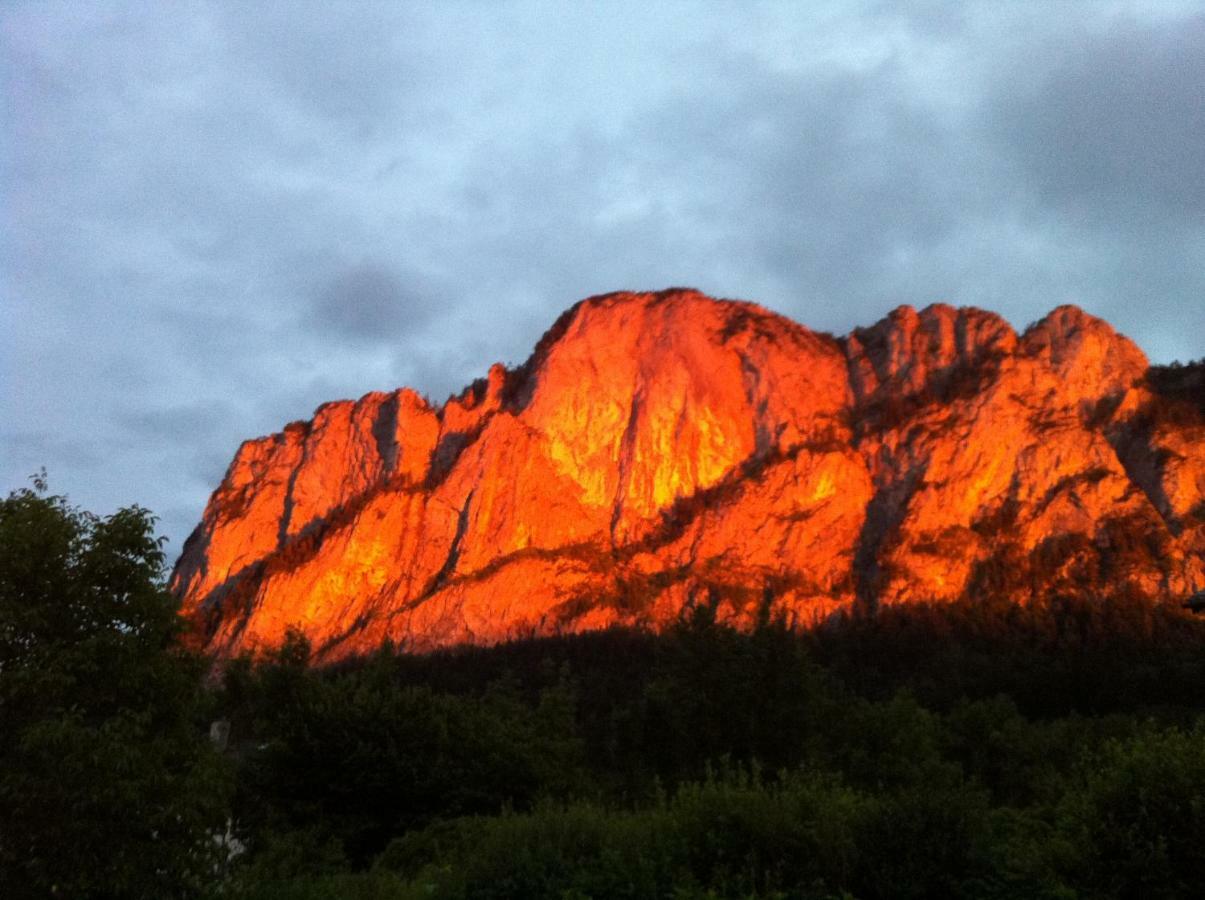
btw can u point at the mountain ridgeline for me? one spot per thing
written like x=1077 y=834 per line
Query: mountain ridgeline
x=659 y=451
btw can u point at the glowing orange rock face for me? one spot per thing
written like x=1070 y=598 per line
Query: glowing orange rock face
x=662 y=449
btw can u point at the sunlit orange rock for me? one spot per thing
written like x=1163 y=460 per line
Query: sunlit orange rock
x=662 y=450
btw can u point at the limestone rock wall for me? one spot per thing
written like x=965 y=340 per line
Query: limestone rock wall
x=658 y=449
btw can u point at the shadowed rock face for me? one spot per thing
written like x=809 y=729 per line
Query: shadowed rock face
x=658 y=449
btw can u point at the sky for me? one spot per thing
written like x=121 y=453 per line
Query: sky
x=215 y=216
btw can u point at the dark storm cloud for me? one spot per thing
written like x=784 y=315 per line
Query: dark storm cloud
x=218 y=215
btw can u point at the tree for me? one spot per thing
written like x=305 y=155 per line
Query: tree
x=108 y=784
x=1136 y=813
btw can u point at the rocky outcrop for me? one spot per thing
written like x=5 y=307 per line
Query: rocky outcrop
x=659 y=450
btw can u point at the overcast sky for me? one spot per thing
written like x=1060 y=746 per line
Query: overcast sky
x=215 y=216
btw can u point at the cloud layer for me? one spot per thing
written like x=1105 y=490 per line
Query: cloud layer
x=218 y=215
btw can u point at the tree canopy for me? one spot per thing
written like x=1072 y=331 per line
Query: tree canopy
x=108 y=785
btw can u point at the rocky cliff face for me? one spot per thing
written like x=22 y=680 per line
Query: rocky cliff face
x=657 y=450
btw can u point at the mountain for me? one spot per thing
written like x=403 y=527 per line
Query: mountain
x=659 y=450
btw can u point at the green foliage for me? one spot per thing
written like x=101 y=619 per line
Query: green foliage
x=108 y=785
x=707 y=762
x=359 y=757
x=1137 y=813
x=804 y=834
x=717 y=693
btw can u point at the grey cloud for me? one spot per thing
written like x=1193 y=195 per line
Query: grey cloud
x=823 y=177
x=356 y=70
x=370 y=301
x=1113 y=122
x=27 y=451
x=182 y=422
x=803 y=186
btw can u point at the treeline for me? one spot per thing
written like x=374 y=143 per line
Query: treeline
x=966 y=750
x=955 y=750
